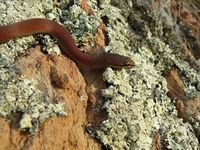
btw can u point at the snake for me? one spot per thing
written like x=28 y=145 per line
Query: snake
x=65 y=41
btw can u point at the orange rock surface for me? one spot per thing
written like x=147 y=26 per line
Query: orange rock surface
x=60 y=77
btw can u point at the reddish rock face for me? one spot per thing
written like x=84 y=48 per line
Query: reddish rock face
x=60 y=77
x=188 y=19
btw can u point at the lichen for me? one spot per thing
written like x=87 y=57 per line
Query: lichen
x=82 y=26
x=21 y=95
x=137 y=103
x=18 y=94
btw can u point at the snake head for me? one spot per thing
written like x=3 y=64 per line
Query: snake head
x=118 y=61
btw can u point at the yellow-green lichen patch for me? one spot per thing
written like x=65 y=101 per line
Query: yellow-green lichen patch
x=82 y=26
x=137 y=103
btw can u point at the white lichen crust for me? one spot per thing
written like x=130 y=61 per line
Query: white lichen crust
x=137 y=103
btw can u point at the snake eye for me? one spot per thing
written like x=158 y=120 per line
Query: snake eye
x=130 y=64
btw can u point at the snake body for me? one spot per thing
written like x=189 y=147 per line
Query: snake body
x=65 y=41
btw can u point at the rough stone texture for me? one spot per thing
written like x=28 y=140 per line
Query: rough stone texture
x=43 y=97
x=154 y=105
x=140 y=113
x=58 y=132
